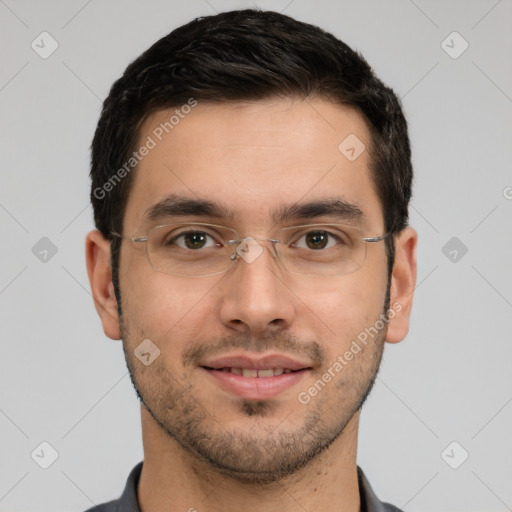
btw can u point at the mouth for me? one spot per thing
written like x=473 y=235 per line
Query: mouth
x=252 y=372
x=255 y=378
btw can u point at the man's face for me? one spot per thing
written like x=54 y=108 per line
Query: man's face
x=253 y=159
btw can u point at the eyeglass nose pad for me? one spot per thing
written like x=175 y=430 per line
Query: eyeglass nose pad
x=236 y=243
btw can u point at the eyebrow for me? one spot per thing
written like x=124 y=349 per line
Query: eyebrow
x=336 y=208
x=175 y=205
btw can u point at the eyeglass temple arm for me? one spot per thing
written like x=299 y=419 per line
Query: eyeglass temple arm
x=376 y=238
x=135 y=240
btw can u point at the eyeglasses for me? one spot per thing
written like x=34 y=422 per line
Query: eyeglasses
x=196 y=249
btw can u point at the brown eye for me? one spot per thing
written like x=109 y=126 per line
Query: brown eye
x=193 y=240
x=317 y=239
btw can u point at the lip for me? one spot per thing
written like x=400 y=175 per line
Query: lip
x=256 y=388
x=256 y=363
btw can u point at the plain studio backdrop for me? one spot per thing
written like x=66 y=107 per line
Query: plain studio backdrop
x=435 y=434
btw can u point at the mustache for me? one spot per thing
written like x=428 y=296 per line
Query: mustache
x=279 y=342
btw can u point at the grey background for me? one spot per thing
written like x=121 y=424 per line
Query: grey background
x=65 y=383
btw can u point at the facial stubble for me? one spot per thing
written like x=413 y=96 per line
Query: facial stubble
x=264 y=453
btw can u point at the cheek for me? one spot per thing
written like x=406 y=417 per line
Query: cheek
x=160 y=307
x=343 y=307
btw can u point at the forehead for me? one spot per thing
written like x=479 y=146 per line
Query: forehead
x=254 y=159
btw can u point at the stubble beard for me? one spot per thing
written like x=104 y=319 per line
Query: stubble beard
x=270 y=450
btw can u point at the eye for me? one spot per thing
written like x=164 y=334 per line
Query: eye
x=318 y=239
x=193 y=240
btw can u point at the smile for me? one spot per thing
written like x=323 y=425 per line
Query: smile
x=255 y=384
x=251 y=372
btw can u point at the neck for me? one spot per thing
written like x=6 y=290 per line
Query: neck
x=174 y=479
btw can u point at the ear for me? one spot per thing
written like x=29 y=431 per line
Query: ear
x=403 y=282
x=97 y=254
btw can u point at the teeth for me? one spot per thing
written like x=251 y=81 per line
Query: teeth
x=250 y=372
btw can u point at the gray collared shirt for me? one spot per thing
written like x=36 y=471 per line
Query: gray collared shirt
x=128 y=500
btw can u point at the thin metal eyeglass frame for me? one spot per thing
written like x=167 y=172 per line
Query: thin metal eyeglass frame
x=235 y=256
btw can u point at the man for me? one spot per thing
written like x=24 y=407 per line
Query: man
x=250 y=184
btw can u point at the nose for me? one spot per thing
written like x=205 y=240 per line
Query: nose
x=255 y=297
